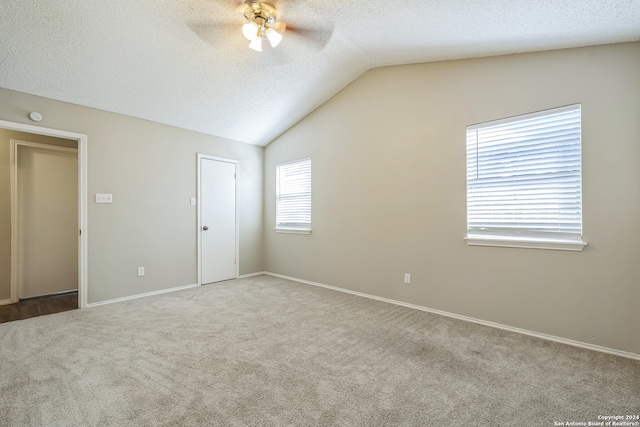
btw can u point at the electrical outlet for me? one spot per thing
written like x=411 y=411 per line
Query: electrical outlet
x=407 y=278
x=140 y=271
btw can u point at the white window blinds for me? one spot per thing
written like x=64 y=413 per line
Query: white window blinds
x=293 y=195
x=524 y=176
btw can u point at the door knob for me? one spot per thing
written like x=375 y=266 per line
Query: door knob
x=205 y=228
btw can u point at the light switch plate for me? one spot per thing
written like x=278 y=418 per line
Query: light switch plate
x=104 y=198
x=193 y=201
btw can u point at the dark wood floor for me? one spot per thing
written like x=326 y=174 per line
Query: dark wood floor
x=39 y=306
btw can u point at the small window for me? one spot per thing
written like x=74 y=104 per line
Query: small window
x=524 y=181
x=293 y=196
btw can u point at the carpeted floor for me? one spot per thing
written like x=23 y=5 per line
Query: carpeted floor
x=266 y=351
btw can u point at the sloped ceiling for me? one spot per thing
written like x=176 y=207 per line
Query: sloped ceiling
x=185 y=62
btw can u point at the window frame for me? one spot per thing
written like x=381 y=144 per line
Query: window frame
x=525 y=240
x=290 y=229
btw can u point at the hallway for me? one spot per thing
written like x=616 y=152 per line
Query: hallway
x=38 y=306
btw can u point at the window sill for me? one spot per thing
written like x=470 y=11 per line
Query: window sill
x=558 y=245
x=291 y=231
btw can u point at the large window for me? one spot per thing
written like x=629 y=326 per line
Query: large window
x=293 y=196
x=524 y=185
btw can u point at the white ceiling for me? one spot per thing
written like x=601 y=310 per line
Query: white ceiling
x=185 y=62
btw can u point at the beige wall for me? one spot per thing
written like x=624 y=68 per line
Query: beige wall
x=5 y=199
x=151 y=171
x=389 y=193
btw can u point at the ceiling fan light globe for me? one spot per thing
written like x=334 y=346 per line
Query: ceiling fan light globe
x=256 y=44
x=274 y=37
x=250 y=31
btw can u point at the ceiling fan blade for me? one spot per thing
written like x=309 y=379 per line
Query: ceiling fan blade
x=214 y=34
x=236 y=3
x=318 y=36
x=279 y=26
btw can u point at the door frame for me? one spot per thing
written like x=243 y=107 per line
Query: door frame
x=83 y=240
x=15 y=144
x=201 y=157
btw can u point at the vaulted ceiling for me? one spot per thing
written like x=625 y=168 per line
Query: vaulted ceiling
x=185 y=62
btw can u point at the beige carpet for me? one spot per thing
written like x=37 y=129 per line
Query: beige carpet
x=266 y=351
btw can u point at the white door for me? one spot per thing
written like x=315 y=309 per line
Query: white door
x=47 y=189
x=217 y=220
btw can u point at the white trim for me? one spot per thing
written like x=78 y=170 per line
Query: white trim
x=259 y=273
x=566 y=341
x=291 y=231
x=83 y=241
x=6 y=302
x=148 y=294
x=557 y=245
x=43 y=146
x=199 y=157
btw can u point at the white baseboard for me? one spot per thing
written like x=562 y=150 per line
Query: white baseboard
x=570 y=342
x=5 y=302
x=148 y=294
x=259 y=273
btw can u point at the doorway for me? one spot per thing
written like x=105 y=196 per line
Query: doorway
x=44 y=201
x=81 y=208
x=217 y=219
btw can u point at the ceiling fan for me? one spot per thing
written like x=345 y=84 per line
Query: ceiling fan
x=262 y=23
x=264 y=29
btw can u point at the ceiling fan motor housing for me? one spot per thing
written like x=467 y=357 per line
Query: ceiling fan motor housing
x=260 y=13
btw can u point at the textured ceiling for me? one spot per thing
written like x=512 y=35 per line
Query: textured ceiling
x=185 y=62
